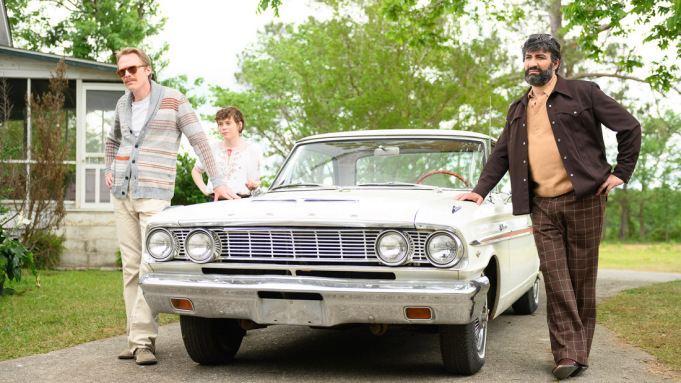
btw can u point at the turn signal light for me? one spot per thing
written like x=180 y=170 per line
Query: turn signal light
x=419 y=313
x=183 y=304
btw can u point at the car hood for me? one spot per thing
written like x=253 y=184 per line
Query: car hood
x=346 y=207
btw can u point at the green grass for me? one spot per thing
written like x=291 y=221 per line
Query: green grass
x=70 y=308
x=648 y=317
x=641 y=257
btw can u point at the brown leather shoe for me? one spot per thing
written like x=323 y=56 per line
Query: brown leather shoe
x=565 y=368
x=126 y=354
x=144 y=357
x=580 y=368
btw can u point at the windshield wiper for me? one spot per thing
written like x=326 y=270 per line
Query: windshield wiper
x=286 y=186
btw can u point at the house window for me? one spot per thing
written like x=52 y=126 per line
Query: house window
x=18 y=136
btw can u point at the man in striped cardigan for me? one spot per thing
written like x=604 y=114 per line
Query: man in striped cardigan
x=141 y=153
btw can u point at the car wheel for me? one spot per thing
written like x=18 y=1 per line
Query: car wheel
x=211 y=341
x=528 y=303
x=463 y=346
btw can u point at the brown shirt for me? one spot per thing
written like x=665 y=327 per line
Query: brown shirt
x=546 y=168
x=576 y=110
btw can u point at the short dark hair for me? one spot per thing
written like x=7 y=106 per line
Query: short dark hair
x=542 y=42
x=230 y=112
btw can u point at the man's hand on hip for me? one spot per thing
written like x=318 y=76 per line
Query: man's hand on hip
x=474 y=197
x=223 y=192
x=609 y=184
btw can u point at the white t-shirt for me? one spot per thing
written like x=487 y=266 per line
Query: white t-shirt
x=237 y=165
x=140 y=109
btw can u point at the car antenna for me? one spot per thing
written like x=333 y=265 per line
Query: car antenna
x=489 y=114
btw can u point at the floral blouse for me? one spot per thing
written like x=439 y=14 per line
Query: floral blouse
x=237 y=165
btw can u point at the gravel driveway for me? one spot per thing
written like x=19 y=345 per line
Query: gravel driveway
x=518 y=350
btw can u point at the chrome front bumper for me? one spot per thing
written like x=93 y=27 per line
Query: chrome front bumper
x=325 y=301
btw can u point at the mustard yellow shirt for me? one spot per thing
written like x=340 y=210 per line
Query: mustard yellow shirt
x=546 y=167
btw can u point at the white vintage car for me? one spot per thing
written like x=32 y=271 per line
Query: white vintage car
x=357 y=228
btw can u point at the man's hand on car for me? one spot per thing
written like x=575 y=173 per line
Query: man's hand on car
x=474 y=197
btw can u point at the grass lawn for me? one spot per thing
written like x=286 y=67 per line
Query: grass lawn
x=641 y=257
x=70 y=308
x=648 y=317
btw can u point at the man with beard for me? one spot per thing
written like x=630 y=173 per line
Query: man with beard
x=552 y=146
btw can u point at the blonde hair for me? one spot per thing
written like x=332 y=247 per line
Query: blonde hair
x=139 y=52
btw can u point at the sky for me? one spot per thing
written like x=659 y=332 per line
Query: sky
x=207 y=37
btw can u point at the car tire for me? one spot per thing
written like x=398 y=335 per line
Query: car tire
x=463 y=347
x=528 y=303
x=211 y=341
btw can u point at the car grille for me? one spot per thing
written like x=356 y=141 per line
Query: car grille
x=302 y=245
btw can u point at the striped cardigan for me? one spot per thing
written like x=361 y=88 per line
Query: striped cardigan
x=145 y=165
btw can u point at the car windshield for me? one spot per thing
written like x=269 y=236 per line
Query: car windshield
x=399 y=162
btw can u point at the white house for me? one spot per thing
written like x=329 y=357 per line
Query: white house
x=93 y=89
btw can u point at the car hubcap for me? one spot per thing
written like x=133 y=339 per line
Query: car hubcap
x=480 y=329
x=535 y=292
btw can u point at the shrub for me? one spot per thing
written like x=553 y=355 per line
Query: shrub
x=186 y=192
x=13 y=256
x=47 y=248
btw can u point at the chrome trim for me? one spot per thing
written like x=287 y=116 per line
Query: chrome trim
x=342 y=301
x=407 y=255
x=281 y=223
x=460 y=249
x=213 y=246
x=304 y=245
x=502 y=237
x=173 y=244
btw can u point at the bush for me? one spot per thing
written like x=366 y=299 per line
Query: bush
x=186 y=192
x=47 y=248
x=13 y=256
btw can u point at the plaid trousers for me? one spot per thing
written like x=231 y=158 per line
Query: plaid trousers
x=567 y=232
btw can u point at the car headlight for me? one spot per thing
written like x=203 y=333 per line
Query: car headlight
x=444 y=249
x=200 y=246
x=392 y=248
x=160 y=245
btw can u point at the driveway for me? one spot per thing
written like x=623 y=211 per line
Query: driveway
x=518 y=350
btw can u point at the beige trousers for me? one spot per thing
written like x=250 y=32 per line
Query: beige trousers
x=132 y=216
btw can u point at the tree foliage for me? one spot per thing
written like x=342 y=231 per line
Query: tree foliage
x=186 y=192
x=650 y=212
x=658 y=22
x=358 y=71
x=90 y=29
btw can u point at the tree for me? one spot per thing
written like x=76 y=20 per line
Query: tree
x=95 y=30
x=44 y=204
x=659 y=22
x=91 y=29
x=355 y=72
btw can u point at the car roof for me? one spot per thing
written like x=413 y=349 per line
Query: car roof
x=390 y=133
